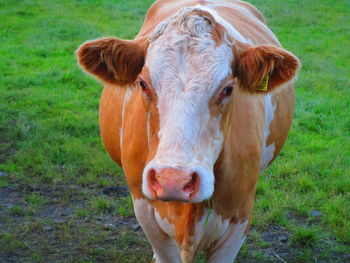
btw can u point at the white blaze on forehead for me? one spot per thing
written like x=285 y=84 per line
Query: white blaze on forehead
x=186 y=67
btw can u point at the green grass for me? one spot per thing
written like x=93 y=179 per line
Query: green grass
x=107 y=205
x=3 y=183
x=49 y=129
x=304 y=237
x=313 y=169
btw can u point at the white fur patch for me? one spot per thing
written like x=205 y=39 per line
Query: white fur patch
x=228 y=238
x=148 y=129
x=222 y=237
x=229 y=246
x=127 y=96
x=164 y=247
x=165 y=225
x=268 y=150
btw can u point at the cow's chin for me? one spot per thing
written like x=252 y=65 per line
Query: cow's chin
x=190 y=185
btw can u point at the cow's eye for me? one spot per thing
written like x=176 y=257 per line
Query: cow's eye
x=143 y=85
x=227 y=91
x=145 y=89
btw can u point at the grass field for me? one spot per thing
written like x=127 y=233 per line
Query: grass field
x=62 y=199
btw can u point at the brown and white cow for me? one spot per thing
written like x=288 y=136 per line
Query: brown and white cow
x=193 y=109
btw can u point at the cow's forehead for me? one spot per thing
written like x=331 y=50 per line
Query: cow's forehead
x=184 y=55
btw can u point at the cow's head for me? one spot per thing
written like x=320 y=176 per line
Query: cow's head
x=187 y=71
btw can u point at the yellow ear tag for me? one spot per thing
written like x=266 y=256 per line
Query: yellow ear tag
x=263 y=84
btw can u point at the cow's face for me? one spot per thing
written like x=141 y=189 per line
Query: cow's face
x=187 y=83
x=187 y=71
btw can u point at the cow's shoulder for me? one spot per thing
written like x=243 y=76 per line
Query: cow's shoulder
x=252 y=9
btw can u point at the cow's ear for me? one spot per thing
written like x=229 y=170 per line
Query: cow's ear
x=113 y=60
x=261 y=69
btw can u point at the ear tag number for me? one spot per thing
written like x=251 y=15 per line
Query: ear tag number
x=263 y=84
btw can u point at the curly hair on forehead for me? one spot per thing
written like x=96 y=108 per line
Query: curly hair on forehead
x=192 y=21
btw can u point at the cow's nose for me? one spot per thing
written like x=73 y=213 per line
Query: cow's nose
x=168 y=184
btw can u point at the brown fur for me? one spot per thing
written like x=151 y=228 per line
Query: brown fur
x=113 y=60
x=255 y=63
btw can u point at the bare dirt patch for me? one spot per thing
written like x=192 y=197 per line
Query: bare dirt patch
x=58 y=224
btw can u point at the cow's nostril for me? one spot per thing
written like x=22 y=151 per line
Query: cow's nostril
x=152 y=179
x=152 y=175
x=192 y=186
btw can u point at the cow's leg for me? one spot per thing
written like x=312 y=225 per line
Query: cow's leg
x=165 y=248
x=227 y=248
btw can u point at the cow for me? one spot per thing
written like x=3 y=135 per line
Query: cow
x=193 y=109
